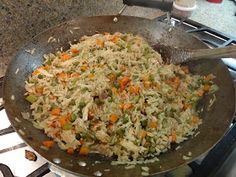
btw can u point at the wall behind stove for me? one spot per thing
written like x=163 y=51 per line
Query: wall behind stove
x=22 y=19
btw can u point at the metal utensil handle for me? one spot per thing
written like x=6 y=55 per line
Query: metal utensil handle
x=165 y=5
x=224 y=52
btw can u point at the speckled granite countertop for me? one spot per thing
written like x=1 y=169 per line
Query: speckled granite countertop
x=22 y=19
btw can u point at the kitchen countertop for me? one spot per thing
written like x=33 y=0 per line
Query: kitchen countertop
x=21 y=20
x=218 y=16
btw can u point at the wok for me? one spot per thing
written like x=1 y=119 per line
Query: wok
x=215 y=121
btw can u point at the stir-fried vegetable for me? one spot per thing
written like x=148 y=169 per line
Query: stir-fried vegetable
x=113 y=94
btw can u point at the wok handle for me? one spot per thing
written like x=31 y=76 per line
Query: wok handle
x=165 y=5
x=224 y=52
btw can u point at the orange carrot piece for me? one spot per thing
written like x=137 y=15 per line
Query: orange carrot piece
x=134 y=89
x=65 y=56
x=48 y=143
x=186 y=106
x=125 y=106
x=143 y=133
x=115 y=39
x=200 y=92
x=112 y=76
x=195 y=120
x=173 y=137
x=84 y=150
x=39 y=90
x=152 y=124
x=91 y=76
x=113 y=118
x=70 y=150
x=114 y=90
x=62 y=76
x=55 y=111
x=74 y=51
x=84 y=67
x=35 y=72
x=206 y=87
x=100 y=42
x=124 y=82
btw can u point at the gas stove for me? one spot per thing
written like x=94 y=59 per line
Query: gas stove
x=214 y=163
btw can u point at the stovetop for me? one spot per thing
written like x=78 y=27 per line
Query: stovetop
x=12 y=147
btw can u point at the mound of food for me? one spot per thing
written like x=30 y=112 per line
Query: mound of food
x=112 y=93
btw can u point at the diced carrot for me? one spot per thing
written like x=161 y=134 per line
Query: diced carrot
x=152 y=124
x=35 y=72
x=84 y=67
x=112 y=76
x=195 y=120
x=77 y=74
x=124 y=82
x=39 y=90
x=74 y=51
x=90 y=115
x=100 y=42
x=185 y=69
x=200 y=92
x=65 y=56
x=46 y=67
x=53 y=97
x=206 y=87
x=125 y=106
x=61 y=76
x=174 y=82
x=134 y=89
x=113 y=118
x=91 y=76
x=114 y=90
x=84 y=150
x=209 y=77
x=48 y=143
x=173 y=137
x=186 y=106
x=55 y=111
x=70 y=150
x=146 y=82
x=115 y=39
x=64 y=119
x=143 y=133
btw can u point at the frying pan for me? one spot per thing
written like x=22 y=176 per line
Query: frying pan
x=216 y=120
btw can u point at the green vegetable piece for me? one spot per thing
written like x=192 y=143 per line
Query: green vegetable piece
x=82 y=104
x=40 y=76
x=98 y=101
x=151 y=78
x=67 y=126
x=31 y=98
x=126 y=118
x=152 y=149
x=144 y=123
x=73 y=117
x=49 y=62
